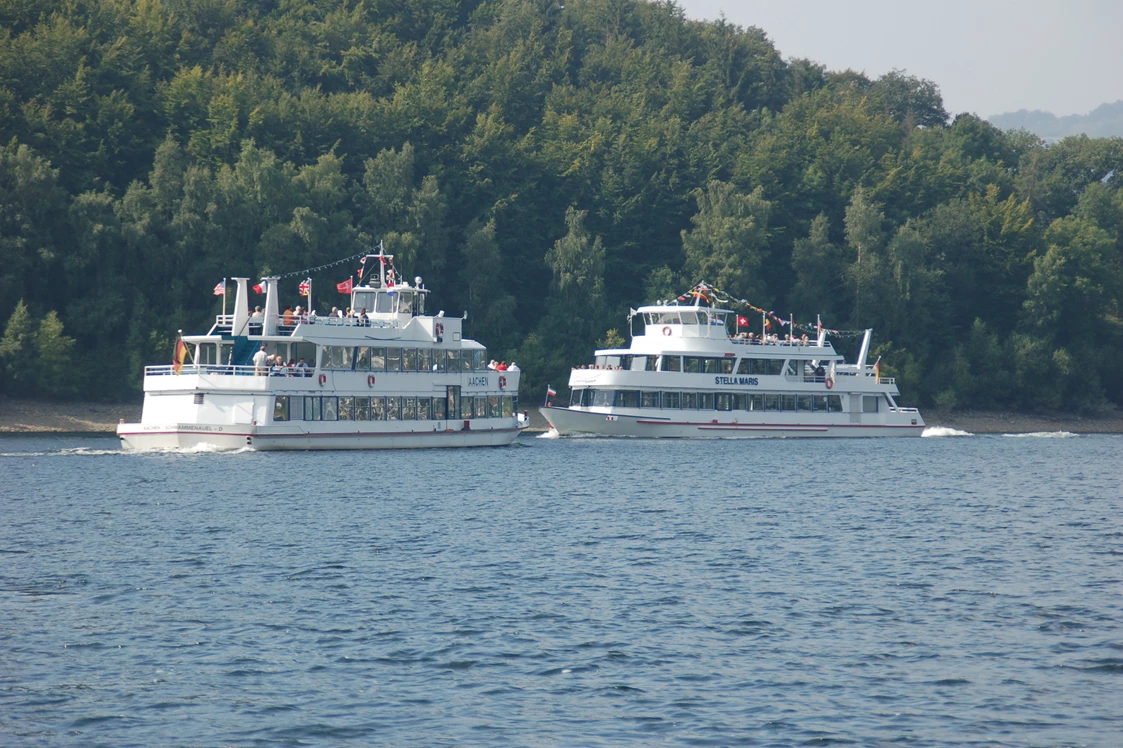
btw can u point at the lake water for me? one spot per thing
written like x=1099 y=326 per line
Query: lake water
x=938 y=591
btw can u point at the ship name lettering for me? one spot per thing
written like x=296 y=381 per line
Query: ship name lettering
x=737 y=380
x=477 y=381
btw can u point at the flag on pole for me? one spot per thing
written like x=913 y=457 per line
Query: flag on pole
x=220 y=289
x=742 y=321
x=305 y=287
x=258 y=288
x=344 y=287
x=550 y=391
x=179 y=356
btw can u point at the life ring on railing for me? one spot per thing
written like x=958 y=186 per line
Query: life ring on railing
x=666 y=331
x=440 y=328
x=502 y=383
x=323 y=379
x=370 y=380
x=829 y=382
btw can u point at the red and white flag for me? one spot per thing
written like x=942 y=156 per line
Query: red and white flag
x=220 y=289
x=550 y=391
x=345 y=286
x=258 y=288
x=305 y=287
x=742 y=321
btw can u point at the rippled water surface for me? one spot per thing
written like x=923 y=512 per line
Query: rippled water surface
x=941 y=591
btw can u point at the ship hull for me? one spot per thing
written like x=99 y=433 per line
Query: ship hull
x=665 y=424
x=216 y=437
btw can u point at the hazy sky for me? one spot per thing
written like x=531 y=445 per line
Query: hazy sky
x=987 y=56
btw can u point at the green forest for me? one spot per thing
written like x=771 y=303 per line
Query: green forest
x=544 y=167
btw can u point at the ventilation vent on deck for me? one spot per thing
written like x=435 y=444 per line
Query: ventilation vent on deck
x=198 y=398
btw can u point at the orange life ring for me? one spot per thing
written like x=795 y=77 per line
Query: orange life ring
x=829 y=382
x=502 y=383
x=370 y=380
x=666 y=330
x=323 y=379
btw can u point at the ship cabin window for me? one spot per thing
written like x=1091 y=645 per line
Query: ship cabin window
x=869 y=403
x=346 y=408
x=608 y=362
x=384 y=303
x=409 y=359
x=649 y=400
x=393 y=359
x=651 y=363
x=337 y=357
x=378 y=359
x=661 y=318
x=627 y=399
x=362 y=300
x=671 y=400
x=408 y=302
x=453 y=360
x=331 y=409
x=671 y=363
x=723 y=401
x=690 y=401
x=761 y=366
x=439 y=359
x=206 y=353
x=602 y=398
x=688 y=318
x=281 y=408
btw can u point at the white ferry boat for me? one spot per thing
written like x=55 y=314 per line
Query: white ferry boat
x=390 y=378
x=687 y=375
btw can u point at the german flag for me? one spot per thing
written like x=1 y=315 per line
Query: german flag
x=180 y=355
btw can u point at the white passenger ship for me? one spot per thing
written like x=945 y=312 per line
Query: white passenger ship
x=685 y=375
x=394 y=378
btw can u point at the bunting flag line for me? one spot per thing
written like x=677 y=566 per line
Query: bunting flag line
x=710 y=295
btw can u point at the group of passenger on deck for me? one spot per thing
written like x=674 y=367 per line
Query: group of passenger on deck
x=299 y=316
x=765 y=339
x=265 y=364
x=502 y=366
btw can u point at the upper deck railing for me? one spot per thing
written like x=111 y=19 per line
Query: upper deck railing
x=226 y=369
x=287 y=324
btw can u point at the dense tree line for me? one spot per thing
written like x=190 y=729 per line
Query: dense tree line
x=544 y=166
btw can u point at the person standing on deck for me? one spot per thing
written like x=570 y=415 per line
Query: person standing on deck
x=260 y=359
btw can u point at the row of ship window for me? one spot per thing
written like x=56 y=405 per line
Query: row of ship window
x=351 y=358
x=707 y=400
x=392 y=408
x=698 y=364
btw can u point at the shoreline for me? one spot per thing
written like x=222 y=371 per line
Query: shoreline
x=19 y=416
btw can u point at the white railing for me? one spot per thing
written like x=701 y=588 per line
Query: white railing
x=225 y=322
x=783 y=343
x=223 y=369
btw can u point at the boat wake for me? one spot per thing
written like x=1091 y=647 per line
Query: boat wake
x=551 y=434
x=86 y=452
x=1043 y=435
x=944 y=431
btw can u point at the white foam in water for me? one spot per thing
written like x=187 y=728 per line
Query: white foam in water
x=944 y=431
x=551 y=434
x=1045 y=434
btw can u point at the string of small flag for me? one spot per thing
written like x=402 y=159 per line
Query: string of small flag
x=709 y=294
x=305 y=287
